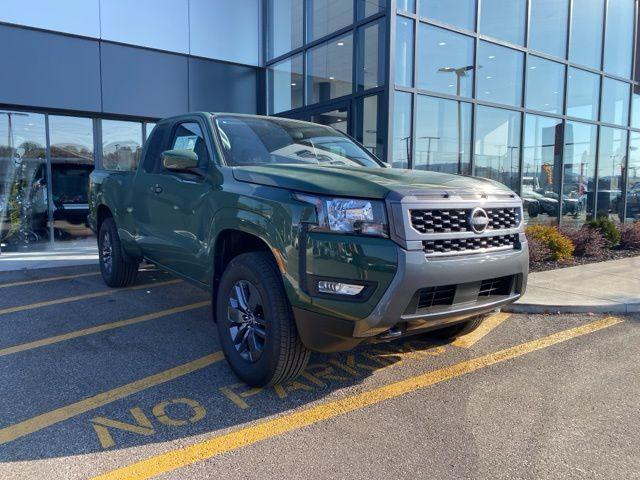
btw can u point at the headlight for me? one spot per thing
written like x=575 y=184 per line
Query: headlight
x=348 y=215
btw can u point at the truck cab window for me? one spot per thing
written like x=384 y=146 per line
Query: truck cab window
x=157 y=144
x=188 y=136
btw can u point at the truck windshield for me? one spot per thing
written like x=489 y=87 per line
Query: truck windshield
x=263 y=141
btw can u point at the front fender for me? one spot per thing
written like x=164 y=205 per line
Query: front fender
x=274 y=224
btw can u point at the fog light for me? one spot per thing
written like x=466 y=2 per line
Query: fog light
x=338 y=288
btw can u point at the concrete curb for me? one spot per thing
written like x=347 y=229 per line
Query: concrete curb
x=619 y=308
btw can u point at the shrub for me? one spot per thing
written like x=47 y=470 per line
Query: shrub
x=538 y=252
x=630 y=236
x=560 y=247
x=607 y=228
x=589 y=242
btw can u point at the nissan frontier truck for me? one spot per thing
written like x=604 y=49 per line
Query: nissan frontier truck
x=305 y=240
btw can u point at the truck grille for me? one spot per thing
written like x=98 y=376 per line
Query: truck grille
x=457 y=220
x=433 y=296
x=496 y=286
x=454 y=246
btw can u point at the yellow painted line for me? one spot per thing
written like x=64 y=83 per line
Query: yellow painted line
x=102 y=293
x=175 y=459
x=48 y=279
x=470 y=339
x=61 y=414
x=99 y=328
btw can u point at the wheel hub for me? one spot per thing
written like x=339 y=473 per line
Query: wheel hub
x=247 y=325
x=107 y=252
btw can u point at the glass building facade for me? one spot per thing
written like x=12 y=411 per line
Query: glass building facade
x=84 y=80
x=45 y=162
x=539 y=95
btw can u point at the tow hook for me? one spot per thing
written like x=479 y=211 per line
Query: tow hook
x=393 y=332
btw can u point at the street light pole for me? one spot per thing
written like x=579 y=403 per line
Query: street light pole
x=460 y=74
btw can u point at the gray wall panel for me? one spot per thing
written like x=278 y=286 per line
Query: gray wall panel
x=80 y=17
x=143 y=82
x=222 y=87
x=49 y=70
x=161 y=24
x=228 y=30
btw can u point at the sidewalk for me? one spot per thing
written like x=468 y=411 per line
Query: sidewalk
x=66 y=256
x=606 y=287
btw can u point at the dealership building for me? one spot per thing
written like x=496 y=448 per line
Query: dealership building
x=541 y=95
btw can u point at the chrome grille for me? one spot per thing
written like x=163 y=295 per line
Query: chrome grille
x=456 y=246
x=457 y=220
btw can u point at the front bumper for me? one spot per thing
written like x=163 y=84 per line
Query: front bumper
x=396 y=315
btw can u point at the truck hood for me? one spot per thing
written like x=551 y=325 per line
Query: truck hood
x=361 y=182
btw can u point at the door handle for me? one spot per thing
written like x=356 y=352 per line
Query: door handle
x=157 y=189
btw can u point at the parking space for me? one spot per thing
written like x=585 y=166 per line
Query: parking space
x=131 y=384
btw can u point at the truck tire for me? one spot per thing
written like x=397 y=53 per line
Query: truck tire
x=117 y=269
x=256 y=327
x=459 y=329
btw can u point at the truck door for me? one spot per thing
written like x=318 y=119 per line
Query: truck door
x=172 y=210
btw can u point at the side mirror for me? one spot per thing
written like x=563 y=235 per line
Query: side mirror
x=179 y=160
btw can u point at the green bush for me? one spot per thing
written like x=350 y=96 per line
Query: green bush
x=607 y=228
x=560 y=246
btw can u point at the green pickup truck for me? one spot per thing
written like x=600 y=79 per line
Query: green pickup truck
x=305 y=240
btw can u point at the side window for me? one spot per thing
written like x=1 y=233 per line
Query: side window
x=188 y=136
x=157 y=145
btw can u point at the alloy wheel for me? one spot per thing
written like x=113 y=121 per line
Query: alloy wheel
x=107 y=252
x=247 y=325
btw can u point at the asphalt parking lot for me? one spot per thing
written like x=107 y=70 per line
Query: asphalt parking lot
x=131 y=384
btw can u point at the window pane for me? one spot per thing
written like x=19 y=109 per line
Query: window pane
x=24 y=212
x=371 y=52
x=401 y=130
x=369 y=125
x=497 y=148
x=587 y=17
x=366 y=8
x=329 y=70
x=499 y=74
x=149 y=128
x=615 y=102
x=503 y=19
x=541 y=169
x=72 y=160
x=407 y=5
x=545 y=85
x=583 y=95
x=462 y=15
x=446 y=61
x=337 y=119
x=443 y=135
x=327 y=16
x=284 y=29
x=635 y=107
x=404 y=52
x=580 y=140
x=121 y=143
x=548 y=26
x=284 y=80
x=633 y=185
x=618 y=41
x=612 y=158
